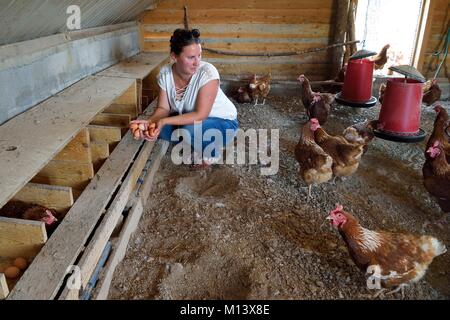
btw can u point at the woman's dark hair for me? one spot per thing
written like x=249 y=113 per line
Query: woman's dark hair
x=182 y=38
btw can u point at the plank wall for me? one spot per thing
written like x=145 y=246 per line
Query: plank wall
x=249 y=26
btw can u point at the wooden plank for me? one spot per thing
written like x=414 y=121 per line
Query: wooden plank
x=78 y=149
x=145 y=188
x=137 y=67
x=104 y=134
x=21 y=238
x=244 y=5
x=96 y=245
x=4 y=291
x=300 y=33
x=422 y=38
x=263 y=46
x=339 y=36
x=279 y=71
x=66 y=173
x=100 y=152
x=122 y=109
x=131 y=222
x=221 y=16
x=139 y=95
x=318 y=57
x=54 y=197
x=243 y=30
x=119 y=250
x=45 y=275
x=128 y=97
x=37 y=135
x=111 y=119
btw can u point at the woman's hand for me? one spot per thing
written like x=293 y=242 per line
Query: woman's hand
x=154 y=129
x=138 y=127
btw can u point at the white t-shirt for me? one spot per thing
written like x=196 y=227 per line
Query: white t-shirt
x=222 y=107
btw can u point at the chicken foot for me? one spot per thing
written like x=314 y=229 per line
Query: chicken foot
x=381 y=291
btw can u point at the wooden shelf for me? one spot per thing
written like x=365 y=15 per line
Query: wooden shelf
x=137 y=67
x=30 y=140
x=72 y=153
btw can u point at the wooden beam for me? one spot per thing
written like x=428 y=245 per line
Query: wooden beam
x=139 y=96
x=351 y=32
x=96 y=245
x=119 y=250
x=104 y=134
x=424 y=34
x=129 y=109
x=54 y=197
x=232 y=16
x=111 y=119
x=45 y=275
x=131 y=222
x=21 y=238
x=249 y=4
x=77 y=149
x=341 y=19
x=4 y=291
x=128 y=97
x=66 y=173
x=145 y=188
x=30 y=140
x=100 y=152
x=137 y=67
x=244 y=30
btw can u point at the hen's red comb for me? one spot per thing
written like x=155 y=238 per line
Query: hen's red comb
x=339 y=208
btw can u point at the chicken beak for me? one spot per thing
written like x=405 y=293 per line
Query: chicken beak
x=328 y=218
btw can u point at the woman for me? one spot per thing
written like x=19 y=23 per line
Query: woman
x=190 y=99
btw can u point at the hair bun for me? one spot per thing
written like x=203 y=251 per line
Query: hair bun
x=195 y=33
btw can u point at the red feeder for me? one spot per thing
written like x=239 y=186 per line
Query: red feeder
x=357 y=90
x=399 y=118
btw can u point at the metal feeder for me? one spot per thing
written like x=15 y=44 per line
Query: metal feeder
x=399 y=118
x=357 y=89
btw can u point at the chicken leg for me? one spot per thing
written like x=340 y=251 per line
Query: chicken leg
x=402 y=288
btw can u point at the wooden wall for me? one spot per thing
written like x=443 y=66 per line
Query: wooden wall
x=250 y=26
x=440 y=22
x=272 y=26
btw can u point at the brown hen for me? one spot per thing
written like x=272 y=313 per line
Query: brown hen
x=393 y=260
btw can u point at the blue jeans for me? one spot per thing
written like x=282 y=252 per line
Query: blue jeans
x=207 y=137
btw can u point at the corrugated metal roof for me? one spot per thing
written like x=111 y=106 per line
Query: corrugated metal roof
x=22 y=20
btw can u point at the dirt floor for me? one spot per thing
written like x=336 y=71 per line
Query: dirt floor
x=230 y=233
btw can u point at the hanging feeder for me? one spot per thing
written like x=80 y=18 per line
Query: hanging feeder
x=357 y=89
x=399 y=118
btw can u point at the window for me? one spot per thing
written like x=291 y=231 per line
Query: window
x=394 y=22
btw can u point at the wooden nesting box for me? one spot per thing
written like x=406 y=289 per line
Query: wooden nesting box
x=73 y=153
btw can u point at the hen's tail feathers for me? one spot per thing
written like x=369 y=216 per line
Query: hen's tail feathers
x=439 y=247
